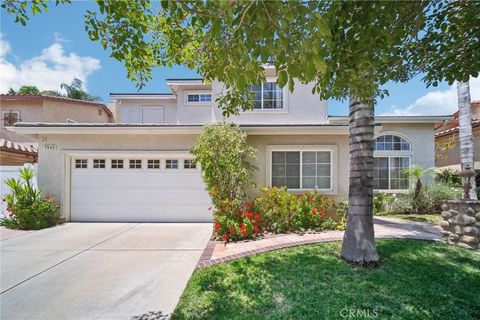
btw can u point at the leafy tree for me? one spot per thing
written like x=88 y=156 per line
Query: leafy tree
x=346 y=49
x=75 y=91
x=25 y=90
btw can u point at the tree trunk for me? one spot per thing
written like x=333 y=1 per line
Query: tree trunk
x=465 y=131
x=359 y=240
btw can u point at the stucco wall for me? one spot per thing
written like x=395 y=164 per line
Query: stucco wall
x=130 y=111
x=451 y=157
x=51 y=175
x=58 y=111
x=30 y=111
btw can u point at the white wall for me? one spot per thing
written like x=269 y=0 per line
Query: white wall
x=130 y=111
x=8 y=172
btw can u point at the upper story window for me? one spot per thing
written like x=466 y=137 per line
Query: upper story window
x=391 y=143
x=267 y=96
x=10 y=117
x=199 y=98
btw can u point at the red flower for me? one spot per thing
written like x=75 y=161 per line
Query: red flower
x=324 y=214
x=242 y=227
x=249 y=215
x=217 y=227
x=244 y=232
x=240 y=213
x=232 y=230
x=313 y=211
x=209 y=208
x=225 y=236
x=312 y=200
x=248 y=206
x=256 y=229
x=257 y=217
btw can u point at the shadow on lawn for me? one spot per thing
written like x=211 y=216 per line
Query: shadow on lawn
x=416 y=279
x=151 y=315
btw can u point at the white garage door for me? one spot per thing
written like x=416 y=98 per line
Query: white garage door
x=138 y=189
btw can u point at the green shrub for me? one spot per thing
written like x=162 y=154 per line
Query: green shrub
x=277 y=207
x=450 y=177
x=225 y=160
x=237 y=223
x=285 y=212
x=26 y=208
x=429 y=200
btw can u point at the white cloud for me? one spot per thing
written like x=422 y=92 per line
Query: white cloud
x=440 y=102
x=46 y=71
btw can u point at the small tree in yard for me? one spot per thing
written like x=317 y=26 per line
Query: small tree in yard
x=224 y=156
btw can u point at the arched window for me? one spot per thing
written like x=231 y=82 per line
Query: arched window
x=391 y=143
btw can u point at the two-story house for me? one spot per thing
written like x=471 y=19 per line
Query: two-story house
x=19 y=149
x=140 y=168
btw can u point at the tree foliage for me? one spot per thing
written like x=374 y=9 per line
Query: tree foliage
x=74 y=90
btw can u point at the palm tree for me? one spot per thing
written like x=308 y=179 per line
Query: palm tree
x=358 y=244
x=418 y=174
x=465 y=131
x=75 y=91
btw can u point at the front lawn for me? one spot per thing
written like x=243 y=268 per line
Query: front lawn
x=422 y=217
x=416 y=280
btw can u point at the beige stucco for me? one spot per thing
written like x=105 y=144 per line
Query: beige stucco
x=50 y=110
x=54 y=165
x=448 y=150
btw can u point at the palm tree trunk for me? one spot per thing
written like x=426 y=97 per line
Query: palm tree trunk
x=359 y=239
x=465 y=131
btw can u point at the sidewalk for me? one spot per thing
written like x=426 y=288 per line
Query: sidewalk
x=217 y=252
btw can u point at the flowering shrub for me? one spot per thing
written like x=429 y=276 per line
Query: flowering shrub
x=285 y=212
x=311 y=212
x=278 y=208
x=26 y=208
x=241 y=222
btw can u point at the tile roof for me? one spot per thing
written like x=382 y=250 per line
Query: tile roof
x=475 y=124
x=39 y=97
x=10 y=146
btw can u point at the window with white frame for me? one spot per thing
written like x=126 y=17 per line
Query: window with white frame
x=81 y=163
x=153 y=164
x=392 y=159
x=189 y=164
x=267 y=96
x=99 y=163
x=135 y=164
x=390 y=173
x=117 y=164
x=308 y=169
x=171 y=164
x=199 y=98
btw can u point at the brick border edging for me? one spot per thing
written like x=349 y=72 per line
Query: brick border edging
x=206 y=261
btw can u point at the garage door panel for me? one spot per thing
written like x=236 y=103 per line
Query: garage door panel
x=142 y=195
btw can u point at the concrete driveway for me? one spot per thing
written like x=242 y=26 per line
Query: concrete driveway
x=99 y=270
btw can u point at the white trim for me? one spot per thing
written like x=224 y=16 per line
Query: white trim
x=284 y=108
x=199 y=103
x=186 y=82
x=393 y=152
x=172 y=129
x=393 y=119
x=143 y=96
x=333 y=149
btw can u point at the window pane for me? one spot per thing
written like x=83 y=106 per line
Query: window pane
x=193 y=98
x=323 y=183
x=293 y=157
x=309 y=157
x=278 y=157
x=293 y=182
x=278 y=170
x=278 y=182
x=308 y=182
x=309 y=170
x=323 y=170
x=293 y=170
x=323 y=157
x=267 y=104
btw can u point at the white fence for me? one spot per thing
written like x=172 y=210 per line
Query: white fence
x=7 y=172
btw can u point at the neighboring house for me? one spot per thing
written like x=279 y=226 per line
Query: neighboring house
x=447 y=141
x=17 y=149
x=140 y=168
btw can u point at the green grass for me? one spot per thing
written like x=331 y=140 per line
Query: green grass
x=422 y=217
x=415 y=280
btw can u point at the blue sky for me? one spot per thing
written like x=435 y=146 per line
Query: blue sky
x=54 y=47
